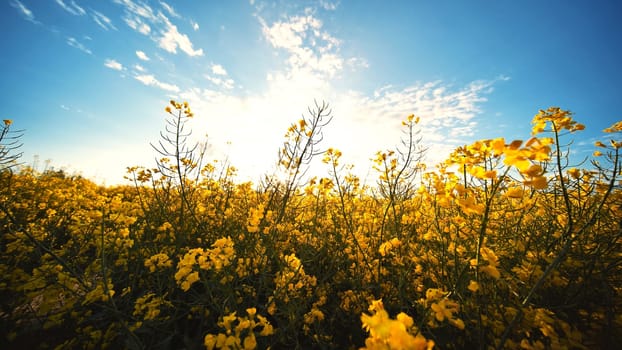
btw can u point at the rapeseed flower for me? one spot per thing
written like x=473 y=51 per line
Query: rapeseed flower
x=387 y=333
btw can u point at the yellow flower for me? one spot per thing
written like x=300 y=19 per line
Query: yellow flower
x=498 y=145
x=533 y=171
x=458 y=323
x=514 y=192
x=575 y=173
x=614 y=128
x=578 y=127
x=469 y=206
x=405 y=319
x=190 y=279
x=538 y=182
x=516 y=158
x=489 y=255
x=440 y=312
x=158 y=260
x=210 y=341
x=8 y=122
x=386 y=247
x=250 y=342
x=538 y=128
x=227 y=320
x=387 y=333
x=473 y=286
x=491 y=271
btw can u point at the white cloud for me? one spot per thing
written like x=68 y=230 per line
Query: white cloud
x=113 y=64
x=139 y=68
x=168 y=8
x=136 y=15
x=218 y=69
x=138 y=25
x=194 y=25
x=221 y=82
x=290 y=34
x=102 y=20
x=311 y=50
x=143 y=56
x=144 y=28
x=78 y=45
x=25 y=11
x=150 y=80
x=141 y=17
x=141 y=10
x=172 y=39
x=433 y=99
x=357 y=62
x=72 y=8
x=329 y=6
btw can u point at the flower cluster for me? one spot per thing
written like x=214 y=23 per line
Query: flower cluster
x=292 y=282
x=387 y=333
x=240 y=332
x=158 y=261
x=221 y=255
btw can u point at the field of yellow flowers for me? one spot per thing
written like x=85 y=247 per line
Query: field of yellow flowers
x=503 y=246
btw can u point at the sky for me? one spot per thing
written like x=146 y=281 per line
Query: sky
x=88 y=80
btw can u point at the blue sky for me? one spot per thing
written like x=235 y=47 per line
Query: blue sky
x=89 y=80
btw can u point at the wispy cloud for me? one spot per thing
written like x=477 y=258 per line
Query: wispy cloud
x=173 y=39
x=136 y=15
x=102 y=20
x=356 y=63
x=71 y=7
x=143 y=56
x=138 y=25
x=221 y=82
x=139 y=68
x=141 y=10
x=141 y=17
x=448 y=107
x=311 y=51
x=194 y=25
x=328 y=5
x=220 y=79
x=150 y=80
x=113 y=64
x=169 y=9
x=71 y=41
x=24 y=11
